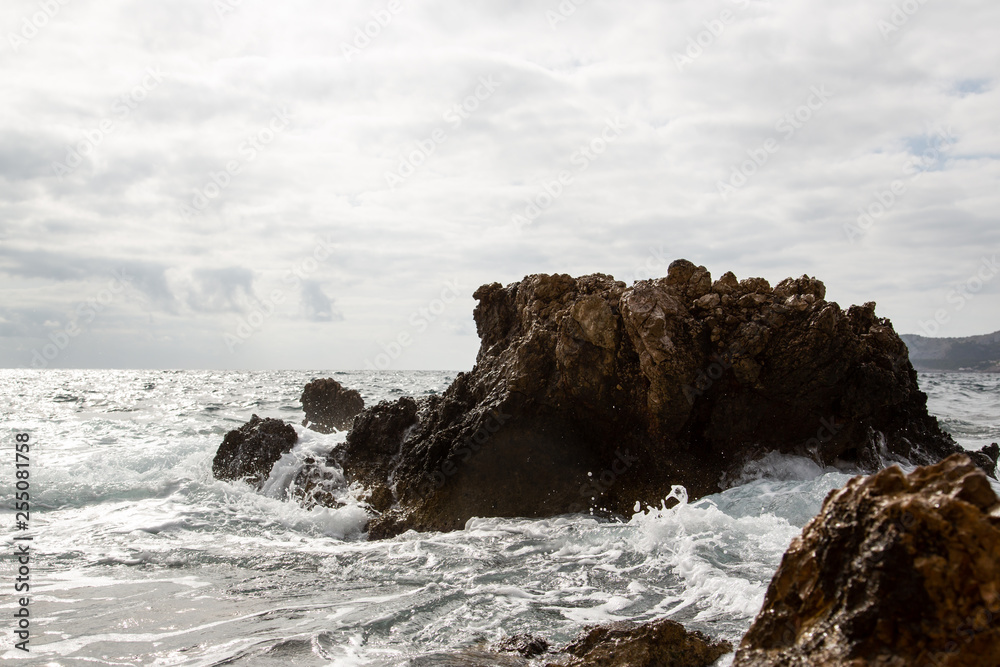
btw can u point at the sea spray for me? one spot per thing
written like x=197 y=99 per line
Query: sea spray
x=142 y=553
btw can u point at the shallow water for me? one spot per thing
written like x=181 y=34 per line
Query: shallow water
x=142 y=558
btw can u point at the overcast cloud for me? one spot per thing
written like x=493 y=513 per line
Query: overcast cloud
x=264 y=185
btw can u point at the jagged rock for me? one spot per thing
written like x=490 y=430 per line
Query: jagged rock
x=524 y=645
x=329 y=406
x=986 y=458
x=661 y=643
x=896 y=570
x=250 y=451
x=588 y=393
x=314 y=484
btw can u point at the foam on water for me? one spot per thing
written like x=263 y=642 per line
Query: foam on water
x=144 y=558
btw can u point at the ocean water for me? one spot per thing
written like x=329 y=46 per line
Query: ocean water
x=140 y=557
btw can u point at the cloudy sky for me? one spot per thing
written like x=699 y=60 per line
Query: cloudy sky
x=251 y=184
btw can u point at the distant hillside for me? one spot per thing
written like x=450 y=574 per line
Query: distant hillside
x=974 y=353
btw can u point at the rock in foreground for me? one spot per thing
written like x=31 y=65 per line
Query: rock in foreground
x=662 y=643
x=329 y=406
x=588 y=393
x=250 y=451
x=896 y=570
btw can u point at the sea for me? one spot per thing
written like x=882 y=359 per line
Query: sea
x=138 y=556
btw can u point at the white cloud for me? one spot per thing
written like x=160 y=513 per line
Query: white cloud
x=224 y=77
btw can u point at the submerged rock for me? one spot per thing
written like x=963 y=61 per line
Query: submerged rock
x=986 y=458
x=250 y=451
x=329 y=406
x=896 y=570
x=525 y=645
x=471 y=657
x=661 y=643
x=314 y=484
x=590 y=394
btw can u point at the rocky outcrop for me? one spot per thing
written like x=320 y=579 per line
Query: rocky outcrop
x=249 y=452
x=588 y=393
x=525 y=645
x=662 y=643
x=329 y=406
x=314 y=484
x=896 y=570
x=986 y=458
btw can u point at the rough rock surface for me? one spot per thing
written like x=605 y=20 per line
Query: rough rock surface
x=329 y=406
x=986 y=458
x=588 y=393
x=525 y=645
x=896 y=570
x=662 y=643
x=313 y=485
x=250 y=451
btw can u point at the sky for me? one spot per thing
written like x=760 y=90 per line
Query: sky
x=250 y=184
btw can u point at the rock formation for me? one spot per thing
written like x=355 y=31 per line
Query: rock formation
x=525 y=645
x=659 y=643
x=588 y=393
x=250 y=451
x=896 y=570
x=314 y=484
x=662 y=643
x=329 y=406
x=986 y=458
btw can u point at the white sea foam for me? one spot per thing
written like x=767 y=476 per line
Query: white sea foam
x=146 y=554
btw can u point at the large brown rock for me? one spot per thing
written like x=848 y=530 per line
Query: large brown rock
x=329 y=406
x=588 y=393
x=896 y=570
x=249 y=452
